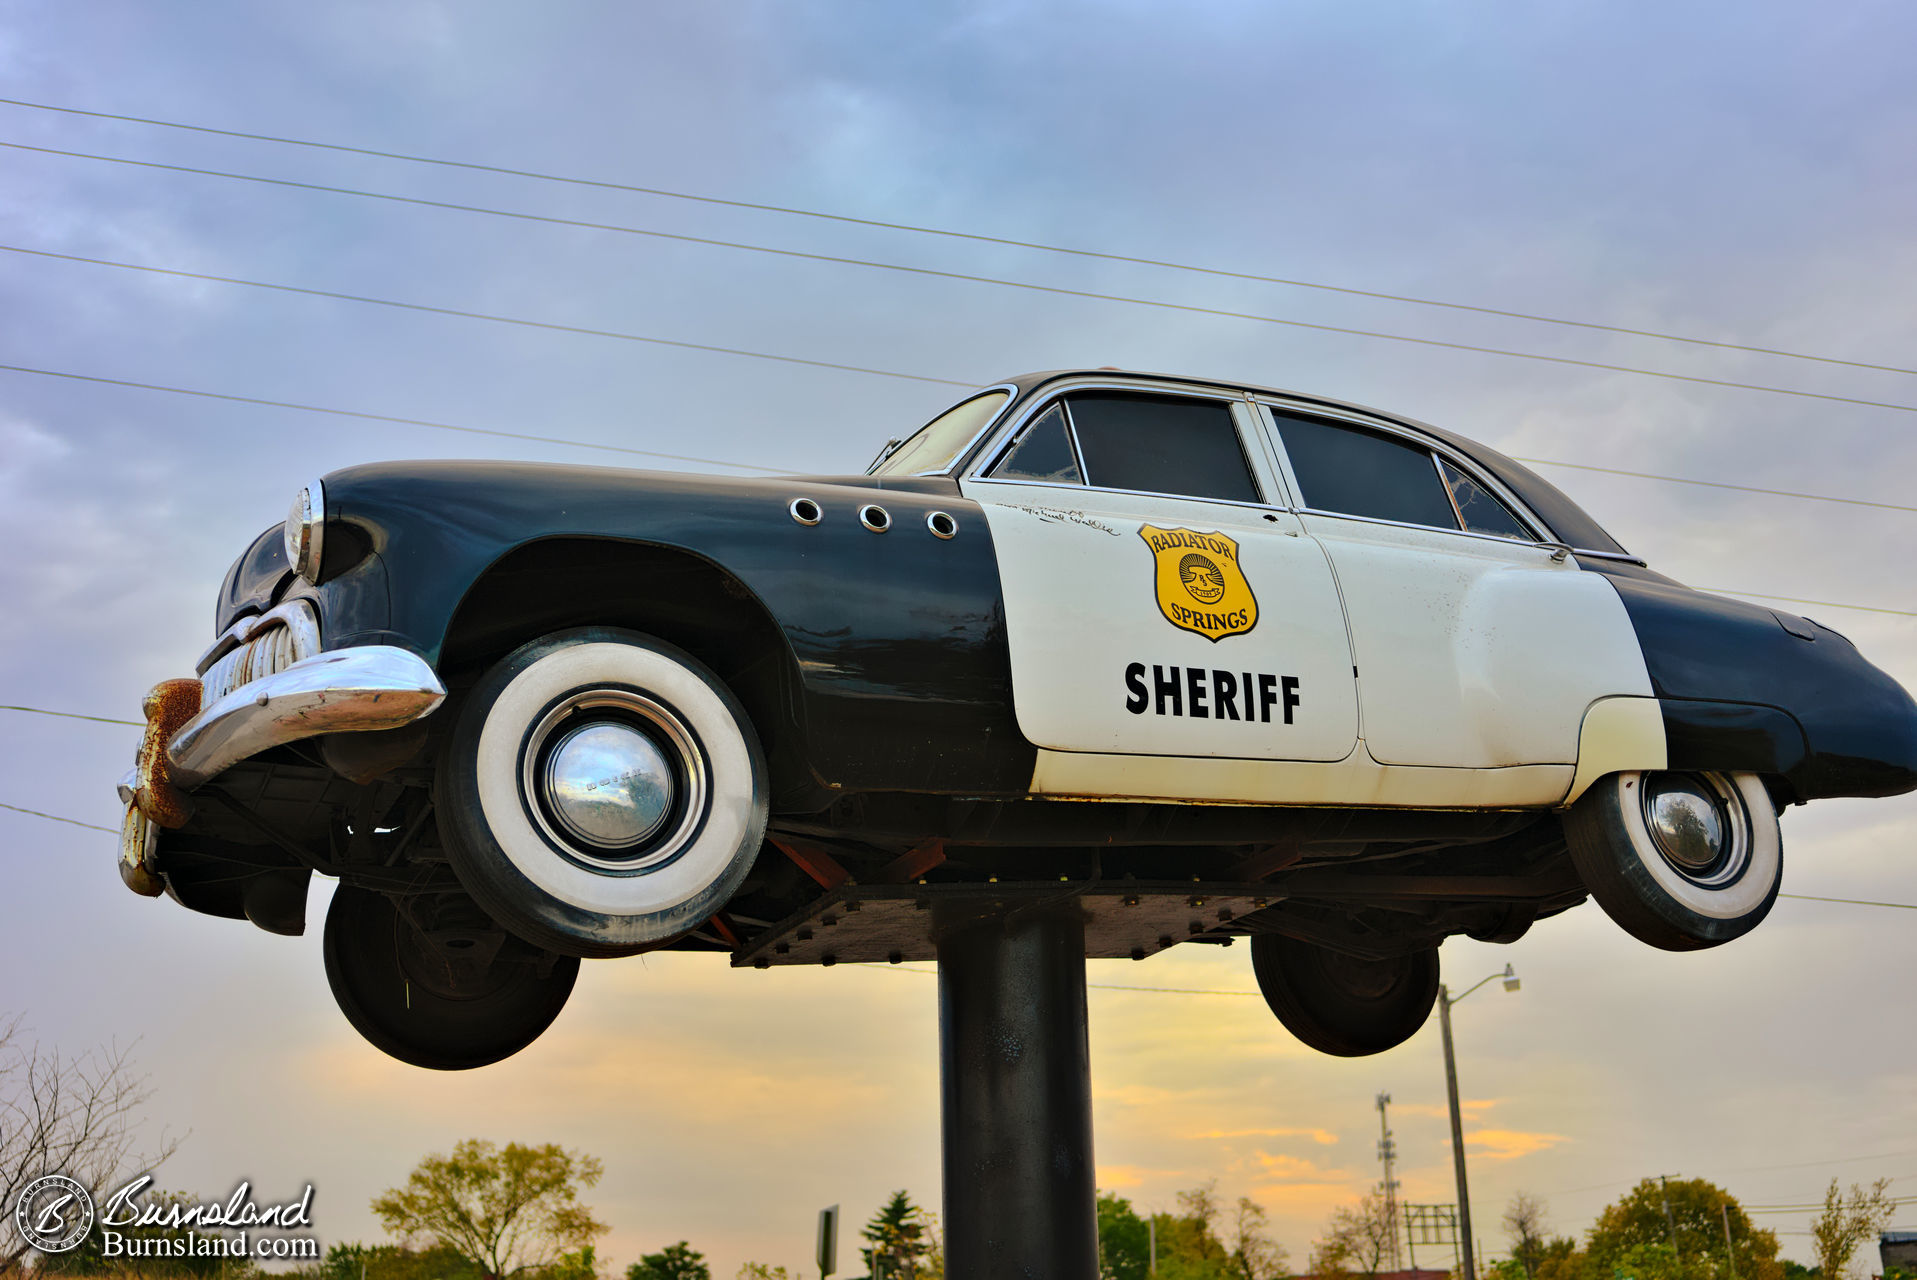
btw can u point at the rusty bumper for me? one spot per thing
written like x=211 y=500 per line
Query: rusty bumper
x=370 y=687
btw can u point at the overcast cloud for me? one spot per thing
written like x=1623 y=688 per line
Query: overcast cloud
x=1734 y=172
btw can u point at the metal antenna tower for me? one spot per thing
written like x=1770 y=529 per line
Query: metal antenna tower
x=1388 y=1156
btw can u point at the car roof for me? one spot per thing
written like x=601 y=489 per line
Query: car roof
x=1568 y=522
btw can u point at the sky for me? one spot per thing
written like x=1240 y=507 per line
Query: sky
x=1731 y=172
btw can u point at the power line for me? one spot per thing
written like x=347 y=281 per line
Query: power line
x=382 y=417
x=73 y=715
x=1855 y=902
x=974 y=237
x=54 y=817
x=479 y=315
x=822 y=364
x=1827 y=604
x=1717 y=484
x=1059 y=291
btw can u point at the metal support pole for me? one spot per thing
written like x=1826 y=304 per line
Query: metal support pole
x=1016 y=1096
x=1470 y=1267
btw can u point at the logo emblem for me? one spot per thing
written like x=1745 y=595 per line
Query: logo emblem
x=54 y=1213
x=1200 y=585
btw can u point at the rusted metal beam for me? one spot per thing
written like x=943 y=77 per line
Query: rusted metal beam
x=814 y=861
x=913 y=863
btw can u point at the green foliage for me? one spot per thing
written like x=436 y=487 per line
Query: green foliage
x=760 y=1271
x=1798 y=1271
x=900 y=1241
x=506 y=1210
x=1697 y=1211
x=1123 y=1239
x=1189 y=1247
x=394 y=1262
x=674 y=1262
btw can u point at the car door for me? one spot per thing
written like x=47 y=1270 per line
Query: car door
x=1161 y=599
x=1477 y=644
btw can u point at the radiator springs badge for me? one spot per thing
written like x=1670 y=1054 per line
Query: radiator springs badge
x=1200 y=584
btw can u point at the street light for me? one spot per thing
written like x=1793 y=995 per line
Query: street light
x=1445 y=1001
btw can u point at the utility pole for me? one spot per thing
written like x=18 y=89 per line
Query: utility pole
x=1470 y=1268
x=1669 y=1221
x=1730 y=1258
x=1388 y=1156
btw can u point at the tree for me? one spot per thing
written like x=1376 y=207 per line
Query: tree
x=1525 y=1222
x=898 y=1240
x=1356 y=1241
x=1254 y=1254
x=1698 y=1211
x=505 y=1210
x=1188 y=1243
x=760 y=1271
x=1846 y=1222
x=674 y=1262
x=73 y=1116
x=349 y=1261
x=1123 y=1240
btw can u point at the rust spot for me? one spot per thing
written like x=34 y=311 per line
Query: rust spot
x=168 y=706
x=136 y=870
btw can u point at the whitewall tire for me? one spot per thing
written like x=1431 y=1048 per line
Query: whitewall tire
x=1679 y=860
x=603 y=792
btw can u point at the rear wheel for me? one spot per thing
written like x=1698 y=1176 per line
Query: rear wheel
x=1679 y=860
x=603 y=792
x=449 y=992
x=1343 y=1004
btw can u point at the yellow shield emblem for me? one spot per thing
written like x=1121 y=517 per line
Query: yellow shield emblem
x=1201 y=586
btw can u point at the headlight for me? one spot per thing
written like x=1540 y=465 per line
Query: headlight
x=305 y=527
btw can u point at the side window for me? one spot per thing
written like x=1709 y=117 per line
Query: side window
x=1362 y=473
x=1479 y=508
x=1156 y=444
x=1043 y=451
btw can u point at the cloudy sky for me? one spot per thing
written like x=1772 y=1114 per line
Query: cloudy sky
x=1733 y=172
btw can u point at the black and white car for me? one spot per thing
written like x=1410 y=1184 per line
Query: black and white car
x=1215 y=660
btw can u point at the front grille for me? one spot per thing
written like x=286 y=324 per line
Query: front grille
x=275 y=642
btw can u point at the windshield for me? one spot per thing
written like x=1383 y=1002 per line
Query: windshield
x=938 y=442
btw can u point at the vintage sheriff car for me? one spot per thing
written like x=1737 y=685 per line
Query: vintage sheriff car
x=1211 y=660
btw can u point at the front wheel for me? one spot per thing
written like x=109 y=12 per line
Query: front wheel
x=439 y=985
x=1679 y=860
x=1343 y=1004
x=603 y=792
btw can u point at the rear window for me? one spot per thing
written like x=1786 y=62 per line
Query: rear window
x=1363 y=473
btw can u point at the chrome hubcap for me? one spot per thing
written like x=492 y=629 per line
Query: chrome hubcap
x=615 y=780
x=609 y=785
x=1698 y=825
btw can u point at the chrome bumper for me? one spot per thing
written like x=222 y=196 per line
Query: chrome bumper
x=369 y=687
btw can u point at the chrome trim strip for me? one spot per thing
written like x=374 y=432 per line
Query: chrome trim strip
x=298 y=615
x=367 y=687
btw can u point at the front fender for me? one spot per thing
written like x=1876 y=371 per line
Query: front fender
x=1747 y=688
x=898 y=638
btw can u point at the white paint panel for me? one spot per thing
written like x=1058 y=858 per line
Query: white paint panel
x=1081 y=606
x=1476 y=652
